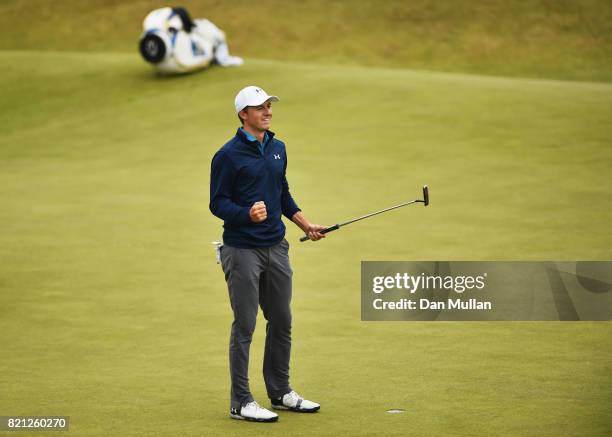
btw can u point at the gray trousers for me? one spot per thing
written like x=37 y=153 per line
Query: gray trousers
x=259 y=277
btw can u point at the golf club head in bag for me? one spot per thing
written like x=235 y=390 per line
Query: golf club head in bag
x=154 y=46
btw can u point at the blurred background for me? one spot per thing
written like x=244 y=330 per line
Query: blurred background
x=540 y=38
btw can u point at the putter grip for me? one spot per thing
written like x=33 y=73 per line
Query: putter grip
x=324 y=231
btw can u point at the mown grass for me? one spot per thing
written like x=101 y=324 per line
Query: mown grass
x=112 y=310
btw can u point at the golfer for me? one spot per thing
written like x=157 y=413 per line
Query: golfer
x=249 y=192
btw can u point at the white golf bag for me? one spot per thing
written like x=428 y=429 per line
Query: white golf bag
x=174 y=43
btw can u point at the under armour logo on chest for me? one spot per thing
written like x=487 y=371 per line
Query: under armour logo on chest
x=277 y=157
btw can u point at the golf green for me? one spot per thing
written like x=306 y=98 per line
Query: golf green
x=114 y=312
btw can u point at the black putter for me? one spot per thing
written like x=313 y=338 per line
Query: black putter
x=425 y=202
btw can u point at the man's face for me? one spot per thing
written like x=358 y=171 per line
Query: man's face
x=258 y=117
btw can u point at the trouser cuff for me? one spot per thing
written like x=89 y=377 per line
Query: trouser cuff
x=278 y=393
x=239 y=404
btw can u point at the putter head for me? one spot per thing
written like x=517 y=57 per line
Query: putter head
x=425 y=195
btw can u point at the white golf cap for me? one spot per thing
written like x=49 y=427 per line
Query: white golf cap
x=252 y=96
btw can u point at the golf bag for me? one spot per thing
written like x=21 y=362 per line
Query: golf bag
x=174 y=43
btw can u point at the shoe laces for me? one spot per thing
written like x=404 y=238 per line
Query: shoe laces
x=253 y=404
x=294 y=396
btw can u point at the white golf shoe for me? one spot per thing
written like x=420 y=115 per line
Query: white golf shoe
x=294 y=402
x=253 y=412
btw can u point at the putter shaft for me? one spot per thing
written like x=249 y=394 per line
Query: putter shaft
x=338 y=225
x=378 y=212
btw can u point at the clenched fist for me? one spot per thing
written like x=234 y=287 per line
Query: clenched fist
x=258 y=212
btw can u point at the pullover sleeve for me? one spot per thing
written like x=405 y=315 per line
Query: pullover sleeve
x=222 y=175
x=288 y=205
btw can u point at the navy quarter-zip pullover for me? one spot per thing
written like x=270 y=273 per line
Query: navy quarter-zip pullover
x=242 y=174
